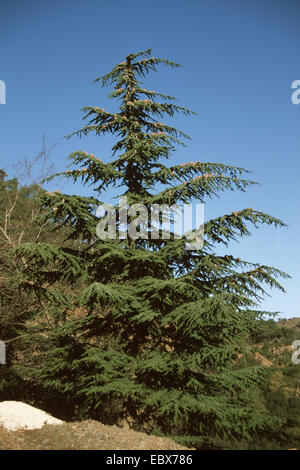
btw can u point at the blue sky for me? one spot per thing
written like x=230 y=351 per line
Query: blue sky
x=239 y=60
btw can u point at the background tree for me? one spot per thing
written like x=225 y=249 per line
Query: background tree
x=21 y=220
x=144 y=329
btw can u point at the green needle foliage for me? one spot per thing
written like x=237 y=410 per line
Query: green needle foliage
x=143 y=329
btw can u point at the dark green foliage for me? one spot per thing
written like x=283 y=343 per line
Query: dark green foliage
x=144 y=329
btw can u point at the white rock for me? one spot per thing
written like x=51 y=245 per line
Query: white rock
x=17 y=415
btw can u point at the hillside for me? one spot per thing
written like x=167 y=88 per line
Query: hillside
x=86 y=435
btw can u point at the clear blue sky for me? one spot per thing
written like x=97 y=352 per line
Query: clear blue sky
x=239 y=60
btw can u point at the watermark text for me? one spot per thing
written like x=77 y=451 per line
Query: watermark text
x=296 y=94
x=296 y=354
x=2 y=352
x=136 y=221
x=2 y=92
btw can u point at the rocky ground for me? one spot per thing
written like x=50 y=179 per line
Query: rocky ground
x=85 y=435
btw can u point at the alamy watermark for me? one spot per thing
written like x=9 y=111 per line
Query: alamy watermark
x=2 y=352
x=296 y=354
x=162 y=221
x=2 y=92
x=296 y=94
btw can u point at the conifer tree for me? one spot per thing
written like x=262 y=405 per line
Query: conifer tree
x=143 y=329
